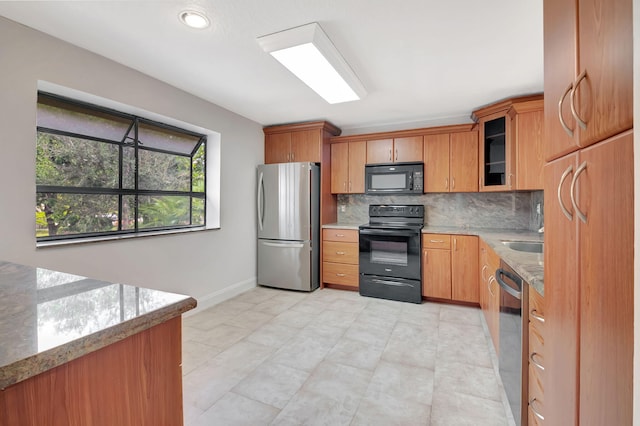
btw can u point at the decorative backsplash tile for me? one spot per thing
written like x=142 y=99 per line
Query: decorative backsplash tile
x=508 y=210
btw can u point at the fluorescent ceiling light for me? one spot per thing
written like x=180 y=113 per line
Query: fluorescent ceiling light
x=309 y=54
x=194 y=19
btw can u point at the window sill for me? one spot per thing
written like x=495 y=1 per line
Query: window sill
x=91 y=240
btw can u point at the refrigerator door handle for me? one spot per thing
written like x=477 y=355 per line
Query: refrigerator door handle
x=283 y=244
x=260 y=199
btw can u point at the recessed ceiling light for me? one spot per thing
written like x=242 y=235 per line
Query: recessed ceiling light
x=194 y=19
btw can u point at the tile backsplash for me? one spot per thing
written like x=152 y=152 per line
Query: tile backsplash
x=507 y=210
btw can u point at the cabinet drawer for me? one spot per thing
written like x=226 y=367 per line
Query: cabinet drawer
x=441 y=241
x=345 y=235
x=334 y=251
x=340 y=273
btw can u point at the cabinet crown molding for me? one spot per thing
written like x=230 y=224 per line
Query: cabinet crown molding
x=457 y=128
x=309 y=125
x=506 y=104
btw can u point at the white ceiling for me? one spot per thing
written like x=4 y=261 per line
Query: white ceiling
x=423 y=62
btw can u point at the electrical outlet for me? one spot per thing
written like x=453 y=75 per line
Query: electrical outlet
x=343 y=208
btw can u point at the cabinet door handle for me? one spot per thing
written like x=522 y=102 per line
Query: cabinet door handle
x=341 y=275
x=489 y=285
x=396 y=154
x=453 y=183
x=560 y=117
x=566 y=212
x=455 y=244
x=339 y=235
x=510 y=180
x=579 y=120
x=538 y=415
x=344 y=186
x=581 y=168
x=534 y=313
x=436 y=241
x=446 y=183
x=425 y=256
x=341 y=253
x=350 y=186
x=390 y=157
x=534 y=362
x=484 y=268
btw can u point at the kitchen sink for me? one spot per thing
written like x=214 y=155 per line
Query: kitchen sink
x=526 y=246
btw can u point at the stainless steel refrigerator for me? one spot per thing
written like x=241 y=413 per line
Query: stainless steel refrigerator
x=289 y=226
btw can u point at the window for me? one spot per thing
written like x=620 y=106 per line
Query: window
x=100 y=172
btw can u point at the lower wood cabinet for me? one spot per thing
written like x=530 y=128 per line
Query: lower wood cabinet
x=449 y=267
x=340 y=250
x=136 y=381
x=536 y=358
x=489 y=295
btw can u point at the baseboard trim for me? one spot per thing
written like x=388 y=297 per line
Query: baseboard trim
x=221 y=295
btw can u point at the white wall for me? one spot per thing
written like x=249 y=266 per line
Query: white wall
x=201 y=264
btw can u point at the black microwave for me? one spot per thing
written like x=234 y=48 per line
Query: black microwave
x=406 y=178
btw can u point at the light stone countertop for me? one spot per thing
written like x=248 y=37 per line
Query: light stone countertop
x=48 y=318
x=528 y=265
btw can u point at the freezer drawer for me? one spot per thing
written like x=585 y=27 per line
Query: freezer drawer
x=288 y=264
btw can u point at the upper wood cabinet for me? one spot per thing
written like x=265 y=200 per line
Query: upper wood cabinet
x=394 y=150
x=298 y=142
x=451 y=162
x=526 y=120
x=588 y=72
x=347 y=172
x=501 y=129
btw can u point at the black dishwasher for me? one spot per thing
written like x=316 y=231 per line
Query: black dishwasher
x=514 y=339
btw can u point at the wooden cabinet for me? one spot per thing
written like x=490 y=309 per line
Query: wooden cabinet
x=340 y=265
x=295 y=146
x=589 y=284
x=436 y=266
x=302 y=142
x=588 y=211
x=347 y=172
x=395 y=150
x=464 y=268
x=288 y=144
x=526 y=121
x=502 y=127
x=588 y=72
x=489 y=295
x=536 y=357
x=449 y=267
x=136 y=381
x=451 y=162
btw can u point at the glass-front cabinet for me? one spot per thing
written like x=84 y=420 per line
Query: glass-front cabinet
x=494 y=171
x=509 y=152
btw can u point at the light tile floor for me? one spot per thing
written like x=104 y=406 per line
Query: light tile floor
x=276 y=357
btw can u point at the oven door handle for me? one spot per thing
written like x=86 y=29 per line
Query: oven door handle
x=393 y=232
x=393 y=283
x=506 y=287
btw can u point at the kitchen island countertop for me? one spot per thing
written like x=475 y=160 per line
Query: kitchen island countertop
x=48 y=318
